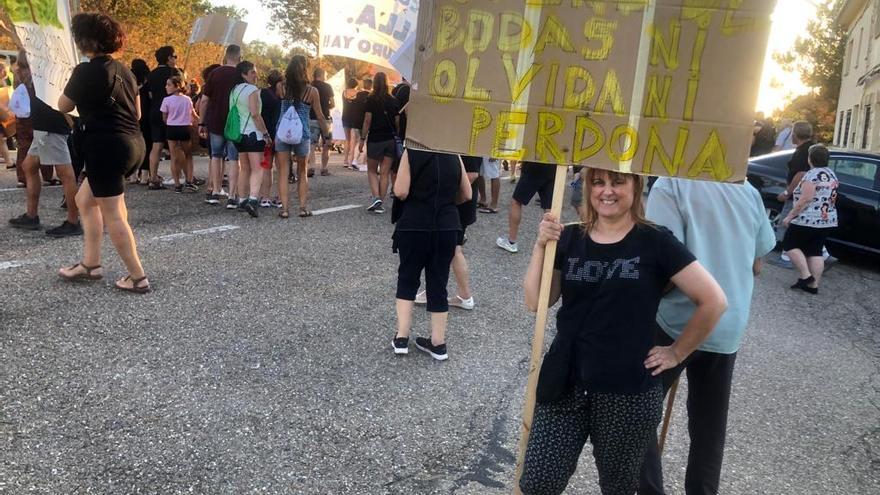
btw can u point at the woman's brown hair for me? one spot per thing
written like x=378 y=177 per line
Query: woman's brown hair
x=177 y=81
x=97 y=33
x=637 y=210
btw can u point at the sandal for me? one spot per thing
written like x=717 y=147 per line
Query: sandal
x=134 y=285
x=325 y=173
x=88 y=275
x=486 y=209
x=304 y=213
x=284 y=214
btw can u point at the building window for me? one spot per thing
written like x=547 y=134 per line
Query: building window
x=838 y=136
x=846 y=128
x=865 y=126
x=848 y=60
x=859 y=47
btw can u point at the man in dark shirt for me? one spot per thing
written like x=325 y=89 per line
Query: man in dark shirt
x=49 y=147
x=802 y=136
x=325 y=94
x=535 y=178
x=213 y=108
x=401 y=92
x=764 y=136
x=156 y=86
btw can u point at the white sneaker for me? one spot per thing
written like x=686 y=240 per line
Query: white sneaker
x=421 y=297
x=223 y=193
x=462 y=303
x=784 y=257
x=506 y=245
x=168 y=182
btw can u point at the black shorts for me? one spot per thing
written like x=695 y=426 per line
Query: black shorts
x=109 y=159
x=158 y=132
x=250 y=144
x=379 y=150
x=535 y=181
x=178 y=132
x=809 y=240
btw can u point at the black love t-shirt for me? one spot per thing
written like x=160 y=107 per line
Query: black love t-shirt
x=610 y=295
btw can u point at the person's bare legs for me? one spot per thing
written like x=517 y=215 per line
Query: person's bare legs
x=176 y=161
x=816 y=265
x=481 y=190
x=216 y=172
x=115 y=215
x=800 y=262
x=266 y=184
x=92 y=222
x=155 y=155
x=373 y=177
x=282 y=161
x=31 y=168
x=384 y=176
x=462 y=276
x=325 y=154
x=495 y=187
x=303 y=184
x=349 y=147
x=404 y=317
x=68 y=182
x=255 y=172
x=513 y=220
x=438 y=328
x=186 y=151
x=4 y=150
x=233 y=171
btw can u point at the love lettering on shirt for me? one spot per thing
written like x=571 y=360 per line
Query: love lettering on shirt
x=594 y=271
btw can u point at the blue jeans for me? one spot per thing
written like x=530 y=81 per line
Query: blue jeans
x=221 y=148
x=301 y=149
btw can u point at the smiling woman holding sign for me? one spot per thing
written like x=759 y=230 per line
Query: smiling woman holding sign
x=599 y=381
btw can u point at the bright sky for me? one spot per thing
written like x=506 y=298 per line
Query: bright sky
x=789 y=20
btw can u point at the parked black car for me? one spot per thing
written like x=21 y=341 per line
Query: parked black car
x=858 y=197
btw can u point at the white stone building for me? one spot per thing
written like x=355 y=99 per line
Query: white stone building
x=859 y=98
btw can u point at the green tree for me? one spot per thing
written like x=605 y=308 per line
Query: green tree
x=818 y=58
x=297 y=20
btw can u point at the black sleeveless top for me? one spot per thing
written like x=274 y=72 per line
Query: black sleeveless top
x=430 y=205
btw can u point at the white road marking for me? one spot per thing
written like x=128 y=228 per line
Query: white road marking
x=212 y=230
x=171 y=237
x=336 y=208
x=6 y=265
x=8 y=189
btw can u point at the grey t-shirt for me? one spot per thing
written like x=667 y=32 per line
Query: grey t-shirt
x=821 y=212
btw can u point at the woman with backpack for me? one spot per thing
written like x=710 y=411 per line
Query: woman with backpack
x=246 y=106
x=379 y=133
x=299 y=98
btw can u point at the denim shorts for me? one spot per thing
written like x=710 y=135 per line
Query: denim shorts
x=301 y=149
x=221 y=148
x=315 y=130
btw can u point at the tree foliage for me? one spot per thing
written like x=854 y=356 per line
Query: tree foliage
x=818 y=58
x=297 y=20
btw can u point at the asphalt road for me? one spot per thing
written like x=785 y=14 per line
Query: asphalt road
x=261 y=363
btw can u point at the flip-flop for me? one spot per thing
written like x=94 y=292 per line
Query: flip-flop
x=482 y=205
x=88 y=275
x=134 y=285
x=488 y=210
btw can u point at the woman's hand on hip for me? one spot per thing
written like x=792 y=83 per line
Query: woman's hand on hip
x=661 y=358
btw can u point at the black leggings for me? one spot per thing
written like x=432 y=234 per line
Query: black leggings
x=431 y=252
x=709 y=376
x=620 y=427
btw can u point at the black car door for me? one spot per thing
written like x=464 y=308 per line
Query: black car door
x=858 y=201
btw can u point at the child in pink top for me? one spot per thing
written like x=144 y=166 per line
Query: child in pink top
x=178 y=113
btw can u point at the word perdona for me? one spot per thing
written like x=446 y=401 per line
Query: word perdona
x=581 y=111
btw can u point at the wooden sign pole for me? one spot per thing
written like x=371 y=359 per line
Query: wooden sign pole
x=540 y=326
x=670 y=400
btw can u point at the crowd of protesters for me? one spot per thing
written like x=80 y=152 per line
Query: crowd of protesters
x=643 y=292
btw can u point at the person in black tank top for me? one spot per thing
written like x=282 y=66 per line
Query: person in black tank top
x=426 y=234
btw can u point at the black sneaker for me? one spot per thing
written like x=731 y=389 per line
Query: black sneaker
x=191 y=187
x=178 y=189
x=231 y=203
x=400 y=345
x=437 y=352
x=251 y=206
x=374 y=203
x=198 y=181
x=379 y=209
x=212 y=199
x=25 y=222
x=66 y=229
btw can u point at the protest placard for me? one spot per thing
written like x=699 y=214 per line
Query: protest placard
x=381 y=32
x=661 y=87
x=42 y=29
x=217 y=28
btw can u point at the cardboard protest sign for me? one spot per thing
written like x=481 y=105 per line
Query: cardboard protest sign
x=380 y=32
x=216 y=28
x=662 y=87
x=42 y=29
